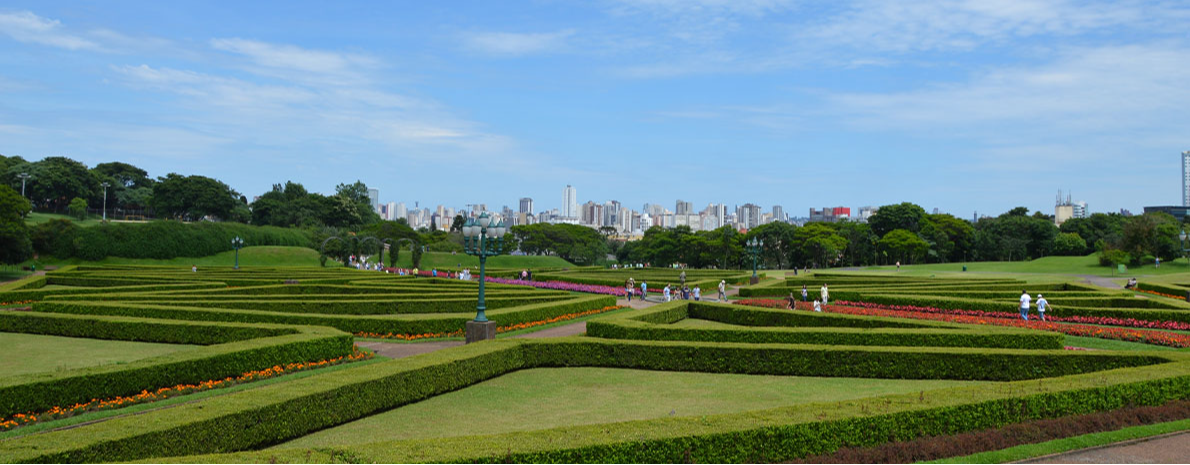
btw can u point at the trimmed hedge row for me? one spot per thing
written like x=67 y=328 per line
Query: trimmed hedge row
x=381 y=324
x=39 y=294
x=26 y=283
x=995 y=306
x=809 y=328
x=44 y=391
x=1182 y=292
x=134 y=329
x=273 y=414
x=445 y=304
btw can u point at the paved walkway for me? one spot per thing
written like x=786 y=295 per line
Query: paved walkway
x=1169 y=448
x=1101 y=281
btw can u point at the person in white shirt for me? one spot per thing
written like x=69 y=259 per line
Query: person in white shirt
x=722 y=290
x=1041 y=304
x=1025 y=300
x=666 y=293
x=817 y=306
x=697 y=292
x=825 y=294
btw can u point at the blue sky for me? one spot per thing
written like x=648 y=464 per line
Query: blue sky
x=964 y=105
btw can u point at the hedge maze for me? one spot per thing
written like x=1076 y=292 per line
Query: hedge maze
x=1024 y=374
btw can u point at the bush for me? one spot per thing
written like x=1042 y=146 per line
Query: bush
x=1113 y=257
x=159 y=239
x=78 y=208
x=54 y=237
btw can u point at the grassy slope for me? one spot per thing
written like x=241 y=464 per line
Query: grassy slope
x=1088 y=265
x=552 y=397
x=249 y=256
x=31 y=353
x=38 y=218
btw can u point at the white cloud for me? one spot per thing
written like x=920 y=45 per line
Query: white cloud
x=24 y=26
x=290 y=57
x=876 y=25
x=517 y=44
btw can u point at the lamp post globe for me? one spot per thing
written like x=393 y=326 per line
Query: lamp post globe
x=237 y=243
x=105 y=186
x=482 y=238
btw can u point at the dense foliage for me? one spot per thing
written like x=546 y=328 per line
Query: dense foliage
x=15 y=246
x=158 y=239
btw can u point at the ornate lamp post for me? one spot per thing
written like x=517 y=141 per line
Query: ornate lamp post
x=753 y=246
x=237 y=244
x=105 y=185
x=482 y=238
x=23 y=176
x=1185 y=244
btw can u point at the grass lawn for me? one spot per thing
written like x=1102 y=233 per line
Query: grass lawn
x=33 y=353
x=1088 y=265
x=553 y=397
x=695 y=323
x=35 y=218
x=1109 y=344
x=249 y=256
x=444 y=260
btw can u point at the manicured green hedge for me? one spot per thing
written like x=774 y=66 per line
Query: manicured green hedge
x=134 y=329
x=26 y=283
x=39 y=294
x=39 y=392
x=381 y=324
x=169 y=239
x=1057 y=309
x=1179 y=291
x=406 y=305
x=775 y=326
x=272 y=414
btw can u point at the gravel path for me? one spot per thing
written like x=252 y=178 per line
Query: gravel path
x=1169 y=448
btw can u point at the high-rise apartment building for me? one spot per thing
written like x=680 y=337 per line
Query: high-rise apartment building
x=1186 y=178
x=748 y=215
x=569 y=202
x=392 y=211
x=526 y=205
x=374 y=198
x=683 y=208
x=778 y=213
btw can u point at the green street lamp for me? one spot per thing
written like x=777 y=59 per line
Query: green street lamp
x=1185 y=244
x=105 y=186
x=482 y=238
x=754 y=246
x=237 y=244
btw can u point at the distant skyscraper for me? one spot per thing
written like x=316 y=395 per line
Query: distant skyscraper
x=683 y=207
x=1186 y=178
x=569 y=202
x=778 y=213
x=374 y=197
x=392 y=211
x=526 y=205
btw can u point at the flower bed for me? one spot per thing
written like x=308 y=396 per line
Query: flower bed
x=24 y=419
x=500 y=329
x=563 y=286
x=993 y=318
x=1162 y=294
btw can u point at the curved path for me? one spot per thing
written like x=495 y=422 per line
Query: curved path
x=1167 y=448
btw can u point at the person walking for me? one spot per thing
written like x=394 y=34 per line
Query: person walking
x=1041 y=304
x=685 y=293
x=898 y=265
x=697 y=293
x=644 y=289
x=1025 y=300
x=805 y=294
x=791 y=301
x=667 y=293
x=628 y=289
x=722 y=290
x=682 y=277
x=1158 y=262
x=825 y=294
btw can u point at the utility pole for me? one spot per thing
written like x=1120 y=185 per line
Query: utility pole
x=23 y=177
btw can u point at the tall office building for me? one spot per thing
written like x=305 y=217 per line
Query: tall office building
x=778 y=213
x=374 y=197
x=683 y=207
x=392 y=211
x=748 y=216
x=526 y=205
x=1186 y=178
x=569 y=202
x=401 y=212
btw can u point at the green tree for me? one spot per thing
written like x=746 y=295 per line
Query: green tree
x=15 y=246
x=819 y=244
x=780 y=248
x=55 y=181
x=904 y=215
x=78 y=209
x=903 y=245
x=1069 y=244
x=457 y=224
x=193 y=197
x=1151 y=235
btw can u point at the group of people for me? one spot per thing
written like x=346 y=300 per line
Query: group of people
x=669 y=293
x=824 y=295
x=1026 y=301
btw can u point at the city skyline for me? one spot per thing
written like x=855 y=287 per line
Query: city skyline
x=961 y=106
